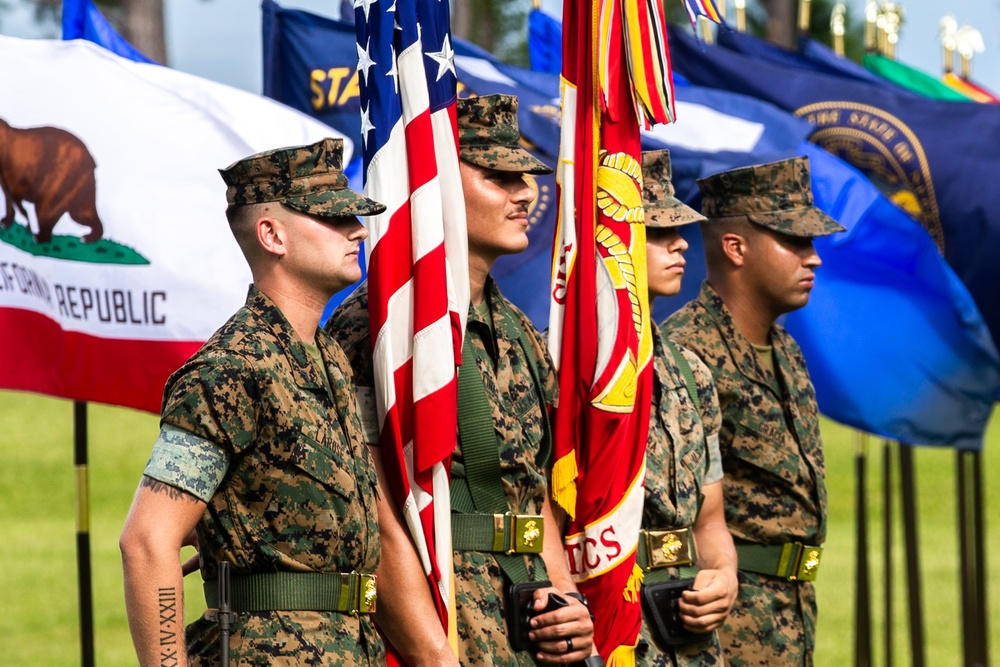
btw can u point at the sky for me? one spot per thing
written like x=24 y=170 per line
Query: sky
x=220 y=39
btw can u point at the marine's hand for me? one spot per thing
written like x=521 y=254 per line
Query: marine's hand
x=705 y=608
x=565 y=635
x=192 y=563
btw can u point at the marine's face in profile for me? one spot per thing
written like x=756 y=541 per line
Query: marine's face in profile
x=496 y=208
x=664 y=260
x=323 y=252
x=781 y=269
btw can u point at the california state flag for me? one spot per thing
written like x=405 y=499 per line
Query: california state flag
x=116 y=260
x=599 y=330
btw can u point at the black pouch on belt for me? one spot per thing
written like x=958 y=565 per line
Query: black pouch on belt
x=662 y=613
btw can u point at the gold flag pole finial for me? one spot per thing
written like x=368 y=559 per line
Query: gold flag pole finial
x=838 y=27
x=805 y=8
x=970 y=42
x=871 y=29
x=741 y=14
x=893 y=21
x=949 y=42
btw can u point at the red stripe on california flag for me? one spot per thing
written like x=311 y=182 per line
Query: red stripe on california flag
x=83 y=367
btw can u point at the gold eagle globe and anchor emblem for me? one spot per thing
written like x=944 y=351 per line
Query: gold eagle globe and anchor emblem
x=671 y=547
x=531 y=533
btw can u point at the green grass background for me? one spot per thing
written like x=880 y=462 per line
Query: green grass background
x=38 y=585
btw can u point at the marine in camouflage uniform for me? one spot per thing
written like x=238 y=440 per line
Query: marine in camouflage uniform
x=682 y=451
x=261 y=446
x=520 y=386
x=775 y=497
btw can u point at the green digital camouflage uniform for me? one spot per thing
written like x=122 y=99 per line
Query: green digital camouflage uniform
x=299 y=494
x=517 y=417
x=681 y=441
x=677 y=462
x=272 y=444
x=771 y=448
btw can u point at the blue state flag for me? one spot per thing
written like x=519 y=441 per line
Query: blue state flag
x=82 y=20
x=931 y=158
x=544 y=42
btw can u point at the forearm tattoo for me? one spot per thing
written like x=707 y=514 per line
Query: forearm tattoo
x=167 y=598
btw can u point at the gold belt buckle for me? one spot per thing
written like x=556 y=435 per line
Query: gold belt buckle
x=808 y=563
x=524 y=534
x=668 y=548
x=367 y=593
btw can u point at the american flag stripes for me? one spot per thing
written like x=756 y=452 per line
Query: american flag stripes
x=417 y=247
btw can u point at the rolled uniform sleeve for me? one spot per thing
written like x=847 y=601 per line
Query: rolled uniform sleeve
x=187 y=462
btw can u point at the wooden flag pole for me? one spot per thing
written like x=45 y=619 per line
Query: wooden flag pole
x=83 y=571
x=862 y=596
x=741 y=15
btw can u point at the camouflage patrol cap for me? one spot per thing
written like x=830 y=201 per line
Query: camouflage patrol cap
x=309 y=179
x=488 y=135
x=663 y=209
x=776 y=195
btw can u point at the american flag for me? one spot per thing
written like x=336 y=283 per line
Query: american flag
x=417 y=247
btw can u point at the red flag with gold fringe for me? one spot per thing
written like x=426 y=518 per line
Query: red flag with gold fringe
x=616 y=75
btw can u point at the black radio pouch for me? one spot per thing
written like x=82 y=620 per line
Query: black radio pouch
x=662 y=613
x=521 y=609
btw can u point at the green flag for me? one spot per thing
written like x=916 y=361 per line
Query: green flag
x=912 y=79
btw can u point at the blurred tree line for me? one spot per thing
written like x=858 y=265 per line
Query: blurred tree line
x=496 y=25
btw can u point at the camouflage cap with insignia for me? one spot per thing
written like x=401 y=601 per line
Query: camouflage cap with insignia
x=488 y=135
x=309 y=179
x=663 y=209
x=776 y=195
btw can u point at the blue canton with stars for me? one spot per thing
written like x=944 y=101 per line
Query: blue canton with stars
x=385 y=29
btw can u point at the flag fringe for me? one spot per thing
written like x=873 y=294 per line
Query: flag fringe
x=622 y=656
x=634 y=583
x=564 y=474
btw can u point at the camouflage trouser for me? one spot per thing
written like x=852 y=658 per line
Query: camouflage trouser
x=772 y=623
x=288 y=639
x=704 y=654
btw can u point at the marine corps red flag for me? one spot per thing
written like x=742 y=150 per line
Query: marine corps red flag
x=616 y=75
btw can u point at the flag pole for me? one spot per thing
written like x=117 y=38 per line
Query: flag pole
x=911 y=544
x=887 y=575
x=871 y=29
x=970 y=42
x=706 y=30
x=84 y=581
x=838 y=27
x=805 y=9
x=862 y=596
x=893 y=21
x=949 y=42
x=741 y=15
